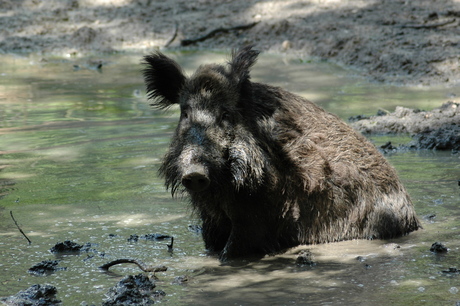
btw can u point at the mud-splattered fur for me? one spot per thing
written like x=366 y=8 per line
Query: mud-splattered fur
x=281 y=170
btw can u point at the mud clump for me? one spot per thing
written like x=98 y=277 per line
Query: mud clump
x=438 y=129
x=155 y=237
x=46 y=267
x=447 y=138
x=305 y=258
x=438 y=247
x=452 y=270
x=70 y=247
x=180 y=280
x=133 y=238
x=132 y=290
x=35 y=295
x=150 y=237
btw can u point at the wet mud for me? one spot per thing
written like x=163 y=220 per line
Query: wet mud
x=403 y=42
x=130 y=290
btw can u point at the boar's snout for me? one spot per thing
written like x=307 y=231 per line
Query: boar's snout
x=196 y=178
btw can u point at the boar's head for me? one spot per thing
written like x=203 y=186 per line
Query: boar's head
x=216 y=144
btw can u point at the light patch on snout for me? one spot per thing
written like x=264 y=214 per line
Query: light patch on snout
x=203 y=117
x=191 y=155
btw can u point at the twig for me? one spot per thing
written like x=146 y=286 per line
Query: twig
x=186 y=42
x=17 y=225
x=170 y=246
x=140 y=264
x=176 y=28
x=428 y=26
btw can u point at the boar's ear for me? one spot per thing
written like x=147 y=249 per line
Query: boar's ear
x=242 y=61
x=163 y=78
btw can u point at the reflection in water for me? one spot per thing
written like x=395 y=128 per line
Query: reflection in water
x=79 y=153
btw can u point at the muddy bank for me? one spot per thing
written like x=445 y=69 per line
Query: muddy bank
x=437 y=129
x=404 y=42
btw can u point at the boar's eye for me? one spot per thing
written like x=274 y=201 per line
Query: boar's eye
x=184 y=114
x=225 y=117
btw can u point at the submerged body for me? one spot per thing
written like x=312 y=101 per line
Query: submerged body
x=267 y=170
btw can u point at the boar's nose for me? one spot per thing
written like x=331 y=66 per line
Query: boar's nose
x=196 y=179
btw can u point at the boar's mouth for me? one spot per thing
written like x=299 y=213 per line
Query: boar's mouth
x=196 y=178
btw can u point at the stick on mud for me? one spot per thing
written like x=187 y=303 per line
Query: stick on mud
x=173 y=37
x=186 y=42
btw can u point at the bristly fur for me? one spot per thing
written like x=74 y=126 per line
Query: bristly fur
x=241 y=63
x=164 y=79
x=271 y=170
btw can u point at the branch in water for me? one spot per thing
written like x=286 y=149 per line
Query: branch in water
x=140 y=264
x=11 y=214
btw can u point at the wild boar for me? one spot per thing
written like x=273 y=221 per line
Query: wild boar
x=266 y=169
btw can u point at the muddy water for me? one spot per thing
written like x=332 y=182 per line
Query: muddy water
x=79 y=152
